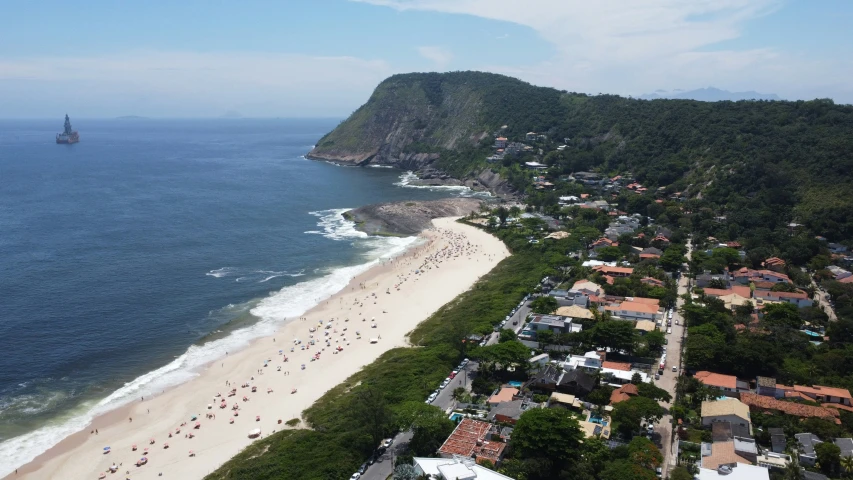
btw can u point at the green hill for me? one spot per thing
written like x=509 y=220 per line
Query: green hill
x=758 y=162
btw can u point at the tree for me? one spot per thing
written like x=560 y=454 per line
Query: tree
x=671 y=259
x=654 y=392
x=405 y=472
x=514 y=211
x=784 y=315
x=654 y=340
x=502 y=214
x=615 y=334
x=507 y=335
x=373 y=409
x=828 y=457
x=847 y=465
x=609 y=254
x=643 y=452
x=629 y=414
x=550 y=434
x=545 y=304
x=624 y=470
x=545 y=338
x=680 y=473
x=430 y=426
x=636 y=378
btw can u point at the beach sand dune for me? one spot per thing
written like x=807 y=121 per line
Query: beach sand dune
x=395 y=296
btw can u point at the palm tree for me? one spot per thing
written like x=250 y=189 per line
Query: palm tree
x=793 y=470
x=847 y=465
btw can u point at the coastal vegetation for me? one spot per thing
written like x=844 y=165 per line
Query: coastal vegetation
x=345 y=425
x=758 y=164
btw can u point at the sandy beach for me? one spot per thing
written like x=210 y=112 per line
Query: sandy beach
x=394 y=296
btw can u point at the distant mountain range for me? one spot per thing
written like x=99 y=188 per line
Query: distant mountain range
x=710 y=94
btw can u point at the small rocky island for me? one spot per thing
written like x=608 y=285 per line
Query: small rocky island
x=408 y=218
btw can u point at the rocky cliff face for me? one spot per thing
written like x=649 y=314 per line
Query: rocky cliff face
x=406 y=123
x=408 y=218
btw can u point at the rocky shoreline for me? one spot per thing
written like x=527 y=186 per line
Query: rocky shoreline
x=408 y=218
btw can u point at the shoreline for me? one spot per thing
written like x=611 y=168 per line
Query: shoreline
x=80 y=454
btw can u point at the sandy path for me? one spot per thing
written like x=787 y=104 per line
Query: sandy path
x=453 y=258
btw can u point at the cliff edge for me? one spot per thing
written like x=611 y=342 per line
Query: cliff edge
x=408 y=218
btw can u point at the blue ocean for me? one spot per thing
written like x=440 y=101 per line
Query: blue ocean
x=153 y=247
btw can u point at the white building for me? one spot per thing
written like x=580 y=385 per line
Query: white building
x=456 y=468
x=739 y=471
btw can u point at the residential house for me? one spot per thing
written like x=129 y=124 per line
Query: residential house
x=530 y=136
x=500 y=142
x=805 y=448
x=778 y=442
x=545 y=379
x=837 y=248
x=774 y=263
x=767 y=386
x=645 y=326
x=566 y=401
x=589 y=362
x=740 y=290
x=454 y=468
x=587 y=287
x=623 y=393
x=704 y=280
x=654 y=282
x=575 y=312
x=656 y=252
x=505 y=394
x=614 y=271
x=761 y=403
x=576 y=382
x=822 y=394
x=740 y=471
x=507 y=412
x=838 y=273
x=633 y=310
x=470 y=440
x=746 y=275
x=845 y=445
x=799 y=298
x=733 y=453
x=726 y=383
x=535 y=166
x=726 y=431
x=729 y=410
x=602 y=243
x=554 y=323
x=733 y=300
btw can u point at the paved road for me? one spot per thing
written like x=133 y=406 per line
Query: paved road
x=384 y=466
x=669 y=378
x=822 y=298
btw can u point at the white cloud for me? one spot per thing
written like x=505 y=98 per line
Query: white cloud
x=441 y=57
x=632 y=46
x=187 y=84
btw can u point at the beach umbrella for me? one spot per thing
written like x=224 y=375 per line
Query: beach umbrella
x=106 y=449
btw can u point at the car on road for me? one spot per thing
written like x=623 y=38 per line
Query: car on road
x=355 y=476
x=674 y=368
x=659 y=472
x=387 y=442
x=657 y=376
x=676 y=322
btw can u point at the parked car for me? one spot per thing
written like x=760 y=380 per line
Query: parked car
x=363 y=468
x=355 y=476
x=657 y=376
x=387 y=442
x=674 y=368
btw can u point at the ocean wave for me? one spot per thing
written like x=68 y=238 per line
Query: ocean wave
x=335 y=226
x=272 y=311
x=381 y=166
x=407 y=178
x=246 y=274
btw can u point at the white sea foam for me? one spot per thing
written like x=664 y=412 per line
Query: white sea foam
x=407 y=178
x=246 y=274
x=288 y=302
x=335 y=226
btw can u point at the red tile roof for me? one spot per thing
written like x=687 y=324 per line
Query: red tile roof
x=609 y=270
x=774 y=262
x=469 y=440
x=623 y=393
x=716 y=379
x=760 y=402
x=822 y=390
x=652 y=281
x=633 y=307
x=741 y=290
x=648 y=255
x=616 y=365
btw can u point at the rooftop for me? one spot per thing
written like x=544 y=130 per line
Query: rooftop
x=716 y=379
x=723 y=453
x=469 y=440
x=730 y=406
x=739 y=472
x=575 y=311
x=504 y=395
x=754 y=400
x=634 y=307
x=457 y=469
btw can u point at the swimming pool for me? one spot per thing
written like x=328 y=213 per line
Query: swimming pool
x=455 y=417
x=514 y=383
x=596 y=418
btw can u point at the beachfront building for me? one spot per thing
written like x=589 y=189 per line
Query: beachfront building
x=470 y=439
x=611 y=372
x=455 y=468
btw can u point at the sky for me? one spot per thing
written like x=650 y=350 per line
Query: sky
x=322 y=58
